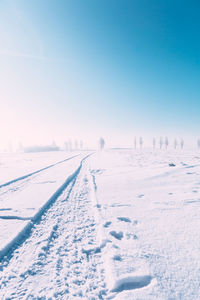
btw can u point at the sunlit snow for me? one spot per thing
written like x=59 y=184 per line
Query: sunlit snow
x=114 y=224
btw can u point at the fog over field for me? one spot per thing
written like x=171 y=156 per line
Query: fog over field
x=99 y=149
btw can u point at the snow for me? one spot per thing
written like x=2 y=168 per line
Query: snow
x=15 y=165
x=27 y=199
x=115 y=224
x=152 y=221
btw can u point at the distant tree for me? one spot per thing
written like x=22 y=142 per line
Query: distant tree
x=166 y=142
x=81 y=145
x=161 y=142
x=198 y=143
x=53 y=144
x=141 y=142
x=154 y=143
x=66 y=147
x=76 y=145
x=175 y=143
x=70 y=145
x=182 y=143
x=101 y=143
x=21 y=147
x=10 y=148
x=135 y=142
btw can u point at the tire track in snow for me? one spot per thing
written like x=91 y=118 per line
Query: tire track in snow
x=35 y=172
x=24 y=234
x=52 y=263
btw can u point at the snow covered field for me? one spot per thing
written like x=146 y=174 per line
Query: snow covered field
x=116 y=224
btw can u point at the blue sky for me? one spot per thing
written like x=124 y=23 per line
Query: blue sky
x=90 y=68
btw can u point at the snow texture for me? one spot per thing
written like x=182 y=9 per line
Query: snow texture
x=116 y=224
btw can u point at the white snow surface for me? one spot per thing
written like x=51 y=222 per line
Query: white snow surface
x=115 y=224
x=16 y=165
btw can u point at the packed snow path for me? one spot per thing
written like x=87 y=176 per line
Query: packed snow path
x=52 y=262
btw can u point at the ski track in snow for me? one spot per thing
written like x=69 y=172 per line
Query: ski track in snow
x=16 y=180
x=21 y=235
x=52 y=262
x=19 y=183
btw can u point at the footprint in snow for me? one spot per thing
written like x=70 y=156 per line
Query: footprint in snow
x=97 y=171
x=85 y=180
x=123 y=219
x=131 y=282
x=172 y=165
x=117 y=257
x=118 y=235
x=131 y=235
x=107 y=224
x=127 y=220
x=115 y=246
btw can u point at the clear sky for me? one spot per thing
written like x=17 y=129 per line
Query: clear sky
x=90 y=68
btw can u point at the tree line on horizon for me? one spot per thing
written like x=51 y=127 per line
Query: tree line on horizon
x=162 y=142
x=76 y=145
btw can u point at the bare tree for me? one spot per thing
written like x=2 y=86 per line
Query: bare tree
x=135 y=142
x=53 y=143
x=182 y=143
x=154 y=143
x=70 y=145
x=21 y=147
x=10 y=148
x=175 y=143
x=66 y=146
x=198 y=143
x=166 y=142
x=81 y=145
x=161 y=142
x=141 y=142
x=75 y=145
x=101 y=143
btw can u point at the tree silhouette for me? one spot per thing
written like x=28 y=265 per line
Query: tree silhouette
x=101 y=143
x=154 y=143
x=166 y=142
x=161 y=142
x=198 y=143
x=81 y=145
x=182 y=143
x=141 y=142
x=175 y=143
x=135 y=142
x=70 y=145
x=76 y=145
x=66 y=146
